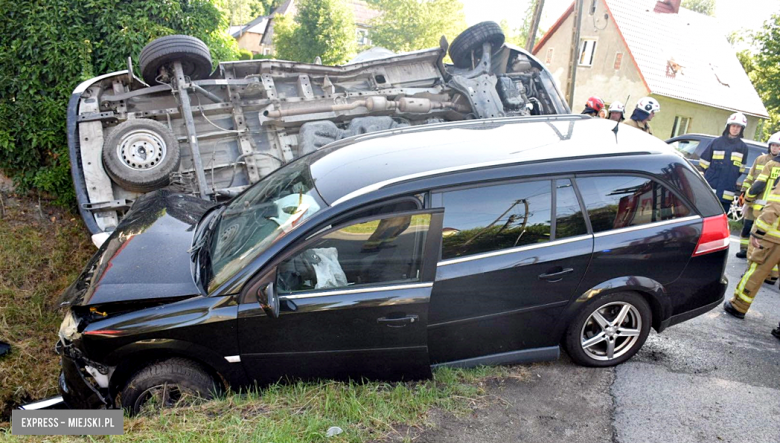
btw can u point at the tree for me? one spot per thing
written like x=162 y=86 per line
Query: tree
x=241 y=12
x=48 y=48
x=706 y=7
x=408 y=25
x=323 y=28
x=519 y=36
x=765 y=72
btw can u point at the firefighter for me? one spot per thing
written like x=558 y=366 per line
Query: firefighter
x=722 y=160
x=752 y=209
x=616 y=111
x=763 y=254
x=593 y=107
x=645 y=110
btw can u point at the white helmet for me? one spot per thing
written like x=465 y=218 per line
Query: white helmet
x=737 y=118
x=774 y=139
x=617 y=107
x=648 y=105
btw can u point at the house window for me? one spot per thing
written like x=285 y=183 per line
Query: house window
x=362 y=37
x=549 y=58
x=618 y=60
x=587 y=51
x=266 y=51
x=681 y=125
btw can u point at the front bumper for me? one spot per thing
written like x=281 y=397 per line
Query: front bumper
x=77 y=391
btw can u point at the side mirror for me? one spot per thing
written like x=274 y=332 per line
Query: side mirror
x=268 y=300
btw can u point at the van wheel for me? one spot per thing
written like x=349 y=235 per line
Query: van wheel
x=166 y=384
x=140 y=154
x=471 y=40
x=193 y=54
x=609 y=330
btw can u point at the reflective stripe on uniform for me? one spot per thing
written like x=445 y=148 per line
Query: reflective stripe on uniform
x=741 y=286
x=744 y=241
x=704 y=164
x=718 y=155
x=762 y=226
x=762 y=177
x=728 y=195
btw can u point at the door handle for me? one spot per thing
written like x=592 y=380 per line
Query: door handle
x=397 y=322
x=556 y=276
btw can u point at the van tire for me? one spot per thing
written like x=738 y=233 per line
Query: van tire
x=472 y=39
x=193 y=54
x=160 y=149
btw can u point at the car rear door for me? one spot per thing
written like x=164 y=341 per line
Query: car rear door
x=509 y=267
x=353 y=303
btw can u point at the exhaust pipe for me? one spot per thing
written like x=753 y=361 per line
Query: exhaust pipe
x=49 y=403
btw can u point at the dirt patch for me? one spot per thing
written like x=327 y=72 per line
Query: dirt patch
x=559 y=401
x=42 y=250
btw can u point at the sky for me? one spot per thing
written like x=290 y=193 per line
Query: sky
x=733 y=14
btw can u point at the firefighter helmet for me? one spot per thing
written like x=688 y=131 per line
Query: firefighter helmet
x=774 y=139
x=617 y=107
x=648 y=105
x=737 y=118
x=595 y=103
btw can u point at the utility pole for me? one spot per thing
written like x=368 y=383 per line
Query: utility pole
x=531 y=40
x=575 y=51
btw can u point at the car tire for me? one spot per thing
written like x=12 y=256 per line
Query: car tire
x=193 y=54
x=167 y=384
x=472 y=39
x=139 y=155
x=594 y=330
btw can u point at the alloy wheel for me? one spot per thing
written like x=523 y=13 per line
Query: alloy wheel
x=611 y=331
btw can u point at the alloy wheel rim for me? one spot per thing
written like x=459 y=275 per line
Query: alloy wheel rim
x=157 y=397
x=611 y=331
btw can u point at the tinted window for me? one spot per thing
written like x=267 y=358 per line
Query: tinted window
x=569 y=220
x=621 y=201
x=495 y=217
x=692 y=185
x=387 y=250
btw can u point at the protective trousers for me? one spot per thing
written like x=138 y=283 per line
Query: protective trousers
x=760 y=263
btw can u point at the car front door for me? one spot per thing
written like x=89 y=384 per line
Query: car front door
x=353 y=302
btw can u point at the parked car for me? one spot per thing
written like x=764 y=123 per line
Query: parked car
x=693 y=145
x=382 y=255
x=185 y=128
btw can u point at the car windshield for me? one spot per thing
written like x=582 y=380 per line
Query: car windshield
x=262 y=215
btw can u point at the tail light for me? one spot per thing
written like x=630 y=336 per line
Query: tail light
x=714 y=235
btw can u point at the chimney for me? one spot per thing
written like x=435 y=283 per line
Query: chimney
x=667 y=6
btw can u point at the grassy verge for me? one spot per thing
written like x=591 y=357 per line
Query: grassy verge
x=41 y=252
x=303 y=412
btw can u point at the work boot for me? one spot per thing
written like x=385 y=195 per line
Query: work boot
x=776 y=331
x=770 y=281
x=731 y=310
x=742 y=254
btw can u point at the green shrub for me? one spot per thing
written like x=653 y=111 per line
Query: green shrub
x=244 y=54
x=48 y=47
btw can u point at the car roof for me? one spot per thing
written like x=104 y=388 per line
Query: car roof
x=361 y=164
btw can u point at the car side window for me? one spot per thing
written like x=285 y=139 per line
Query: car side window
x=569 y=220
x=491 y=218
x=383 y=250
x=621 y=201
x=688 y=148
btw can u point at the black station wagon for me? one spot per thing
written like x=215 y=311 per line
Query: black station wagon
x=384 y=255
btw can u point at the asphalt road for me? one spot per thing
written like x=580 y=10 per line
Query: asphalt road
x=711 y=379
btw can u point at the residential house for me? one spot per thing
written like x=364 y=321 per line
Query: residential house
x=258 y=35
x=654 y=48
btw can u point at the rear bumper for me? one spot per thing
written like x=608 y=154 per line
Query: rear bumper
x=76 y=390
x=689 y=314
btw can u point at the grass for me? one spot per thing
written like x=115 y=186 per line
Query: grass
x=41 y=252
x=303 y=412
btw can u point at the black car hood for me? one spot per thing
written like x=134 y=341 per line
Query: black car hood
x=146 y=257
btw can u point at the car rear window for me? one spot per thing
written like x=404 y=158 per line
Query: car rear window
x=492 y=218
x=693 y=187
x=622 y=201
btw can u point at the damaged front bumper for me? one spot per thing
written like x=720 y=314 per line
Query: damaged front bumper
x=78 y=381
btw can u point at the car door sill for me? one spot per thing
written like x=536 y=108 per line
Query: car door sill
x=506 y=358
